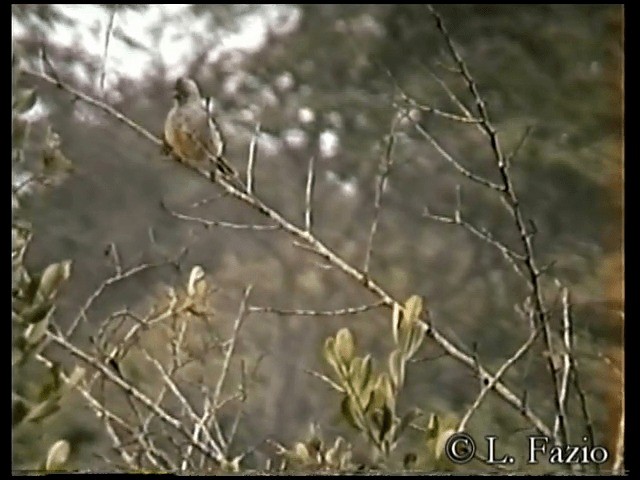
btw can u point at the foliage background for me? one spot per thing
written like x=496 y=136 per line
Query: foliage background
x=317 y=84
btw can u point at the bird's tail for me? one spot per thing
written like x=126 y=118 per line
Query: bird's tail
x=223 y=166
x=230 y=173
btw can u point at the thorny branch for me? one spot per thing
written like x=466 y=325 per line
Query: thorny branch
x=511 y=201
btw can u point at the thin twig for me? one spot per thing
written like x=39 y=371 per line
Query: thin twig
x=253 y=156
x=316 y=313
x=232 y=345
x=449 y=158
x=326 y=379
x=429 y=109
x=584 y=409
x=226 y=363
x=567 y=338
x=184 y=402
x=107 y=39
x=218 y=223
x=521 y=142
x=176 y=423
x=109 y=281
x=102 y=412
x=308 y=196
x=96 y=103
x=386 y=163
x=508 y=253
x=489 y=382
x=204 y=201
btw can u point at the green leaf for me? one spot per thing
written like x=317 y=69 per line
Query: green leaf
x=24 y=100
x=15 y=65
x=365 y=373
x=386 y=422
x=441 y=441
x=347 y=412
x=396 y=320
x=51 y=389
x=55 y=162
x=58 y=455
x=345 y=345
x=385 y=389
x=376 y=400
x=19 y=133
x=36 y=331
x=52 y=277
x=385 y=446
x=413 y=308
x=18 y=411
x=329 y=352
x=397 y=369
x=415 y=338
x=301 y=452
x=36 y=313
x=17 y=356
x=197 y=284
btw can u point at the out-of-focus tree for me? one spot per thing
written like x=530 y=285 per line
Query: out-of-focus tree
x=330 y=81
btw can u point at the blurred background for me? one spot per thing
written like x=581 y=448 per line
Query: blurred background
x=321 y=81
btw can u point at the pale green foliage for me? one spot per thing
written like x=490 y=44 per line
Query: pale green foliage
x=58 y=455
x=33 y=294
x=370 y=399
x=315 y=454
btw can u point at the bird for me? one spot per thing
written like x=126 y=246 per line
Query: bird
x=192 y=133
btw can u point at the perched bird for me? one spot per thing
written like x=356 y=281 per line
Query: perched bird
x=191 y=131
